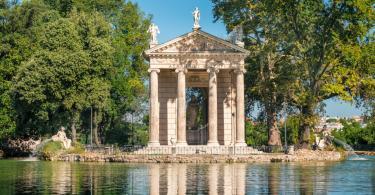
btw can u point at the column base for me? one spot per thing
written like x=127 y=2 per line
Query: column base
x=213 y=143
x=181 y=143
x=241 y=144
x=153 y=144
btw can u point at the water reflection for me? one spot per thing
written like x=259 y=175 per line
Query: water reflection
x=272 y=178
x=197 y=179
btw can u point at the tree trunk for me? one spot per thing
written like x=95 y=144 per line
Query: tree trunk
x=95 y=126
x=273 y=131
x=74 y=132
x=75 y=118
x=305 y=128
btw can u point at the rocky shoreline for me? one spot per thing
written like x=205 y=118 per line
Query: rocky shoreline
x=298 y=156
x=369 y=153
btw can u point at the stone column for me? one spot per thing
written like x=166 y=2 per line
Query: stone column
x=154 y=108
x=240 y=108
x=181 y=110
x=212 y=107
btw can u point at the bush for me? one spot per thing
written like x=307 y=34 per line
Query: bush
x=353 y=134
x=77 y=148
x=256 y=135
x=126 y=134
x=51 y=149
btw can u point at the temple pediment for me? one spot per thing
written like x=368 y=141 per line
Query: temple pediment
x=196 y=43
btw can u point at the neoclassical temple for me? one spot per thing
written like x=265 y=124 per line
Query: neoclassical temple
x=196 y=90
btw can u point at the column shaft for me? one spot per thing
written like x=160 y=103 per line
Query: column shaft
x=181 y=112
x=212 y=107
x=154 y=108
x=240 y=108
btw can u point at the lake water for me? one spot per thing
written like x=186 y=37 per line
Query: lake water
x=350 y=176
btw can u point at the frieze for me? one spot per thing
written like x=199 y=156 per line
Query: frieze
x=220 y=62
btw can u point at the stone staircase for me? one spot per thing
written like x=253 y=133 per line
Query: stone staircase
x=199 y=149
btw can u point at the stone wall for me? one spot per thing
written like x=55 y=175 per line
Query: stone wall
x=299 y=156
x=198 y=149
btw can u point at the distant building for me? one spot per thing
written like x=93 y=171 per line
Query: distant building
x=328 y=124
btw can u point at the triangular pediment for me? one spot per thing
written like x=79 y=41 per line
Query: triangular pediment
x=196 y=42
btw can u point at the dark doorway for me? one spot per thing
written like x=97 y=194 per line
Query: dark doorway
x=196 y=115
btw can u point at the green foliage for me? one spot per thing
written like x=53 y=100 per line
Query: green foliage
x=256 y=134
x=18 y=24
x=59 y=58
x=331 y=120
x=128 y=134
x=353 y=134
x=51 y=149
x=272 y=72
x=77 y=148
x=292 y=127
x=310 y=51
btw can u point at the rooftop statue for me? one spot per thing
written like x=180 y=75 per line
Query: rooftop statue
x=154 y=31
x=236 y=36
x=196 y=17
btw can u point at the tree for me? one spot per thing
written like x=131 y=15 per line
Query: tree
x=17 y=29
x=331 y=37
x=129 y=40
x=328 y=42
x=45 y=87
x=355 y=135
x=68 y=74
x=59 y=58
x=271 y=71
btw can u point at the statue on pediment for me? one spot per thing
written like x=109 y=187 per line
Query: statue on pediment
x=154 y=31
x=196 y=17
x=236 y=36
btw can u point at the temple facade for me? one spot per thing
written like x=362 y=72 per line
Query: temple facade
x=196 y=91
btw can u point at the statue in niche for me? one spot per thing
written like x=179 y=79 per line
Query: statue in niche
x=192 y=113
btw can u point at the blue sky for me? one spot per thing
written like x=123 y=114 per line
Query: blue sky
x=174 y=18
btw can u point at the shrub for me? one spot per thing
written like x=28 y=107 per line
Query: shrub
x=78 y=148
x=51 y=149
x=256 y=135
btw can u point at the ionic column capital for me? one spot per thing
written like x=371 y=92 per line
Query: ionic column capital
x=157 y=70
x=184 y=70
x=240 y=71
x=212 y=69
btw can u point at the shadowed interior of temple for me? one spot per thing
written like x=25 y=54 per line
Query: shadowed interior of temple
x=196 y=115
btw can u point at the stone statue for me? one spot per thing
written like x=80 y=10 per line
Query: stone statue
x=61 y=136
x=196 y=17
x=237 y=36
x=154 y=31
x=192 y=113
